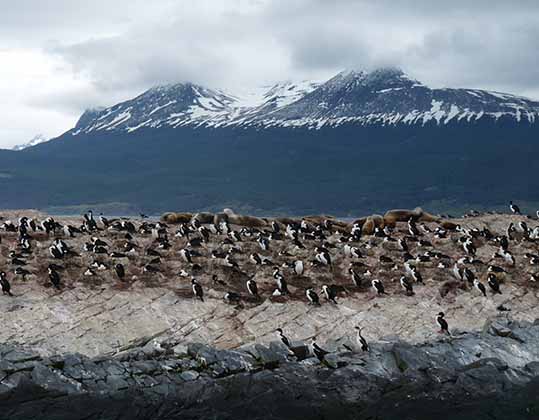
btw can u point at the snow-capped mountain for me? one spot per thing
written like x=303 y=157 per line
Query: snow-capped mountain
x=385 y=96
x=40 y=138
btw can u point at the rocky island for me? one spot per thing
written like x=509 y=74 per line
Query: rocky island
x=84 y=339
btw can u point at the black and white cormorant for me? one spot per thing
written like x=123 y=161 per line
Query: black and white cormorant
x=55 y=252
x=412 y=228
x=361 y=340
x=197 y=289
x=255 y=258
x=480 y=286
x=469 y=247
x=232 y=297
x=282 y=285
x=264 y=243
x=312 y=296
x=493 y=283
x=324 y=258
x=54 y=278
x=230 y=262
x=4 y=283
x=284 y=338
x=442 y=323
x=407 y=286
x=514 y=208
x=356 y=278
x=329 y=293
x=378 y=286
x=252 y=288
x=416 y=275
x=319 y=352
x=120 y=271
x=403 y=246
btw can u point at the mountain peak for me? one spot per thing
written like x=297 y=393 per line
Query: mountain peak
x=38 y=139
x=389 y=75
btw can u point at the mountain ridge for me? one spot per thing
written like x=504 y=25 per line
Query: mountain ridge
x=385 y=96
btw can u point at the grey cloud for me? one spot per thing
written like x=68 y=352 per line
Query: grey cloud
x=442 y=42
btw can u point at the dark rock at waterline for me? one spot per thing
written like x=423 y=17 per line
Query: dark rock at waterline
x=489 y=375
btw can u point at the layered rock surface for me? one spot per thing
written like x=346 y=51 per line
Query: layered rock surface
x=488 y=375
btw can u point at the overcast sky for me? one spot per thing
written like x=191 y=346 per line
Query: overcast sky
x=59 y=57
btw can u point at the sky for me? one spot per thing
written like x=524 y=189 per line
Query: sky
x=60 y=57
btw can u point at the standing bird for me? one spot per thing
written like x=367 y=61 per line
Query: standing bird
x=406 y=285
x=282 y=285
x=329 y=293
x=197 y=289
x=252 y=288
x=469 y=247
x=412 y=228
x=480 y=286
x=403 y=245
x=120 y=271
x=468 y=275
x=440 y=320
x=416 y=275
x=312 y=296
x=186 y=255
x=232 y=297
x=378 y=287
x=319 y=352
x=514 y=208
x=4 y=283
x=255 y=258
x=361 y=340
x=54 y=278
x=356 y=278
x=324 y=258
x=263 y=243
x=230 y=262
x=283 y=337
x=493 y=283
x=298 y=267
x=55 y=252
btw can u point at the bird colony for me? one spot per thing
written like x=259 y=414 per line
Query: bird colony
x=320 y=261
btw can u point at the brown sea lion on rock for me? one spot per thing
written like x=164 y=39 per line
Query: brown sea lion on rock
x=247 y=221
x=173 y=218
x=287 y=220
x=242 y=220
x=203 y=217
x=317 y=220
x=446 y=224
x=401 y=215
x=424 y=216
x=369 y=223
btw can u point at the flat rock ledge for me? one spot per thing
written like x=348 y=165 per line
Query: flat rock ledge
x=492 y=374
